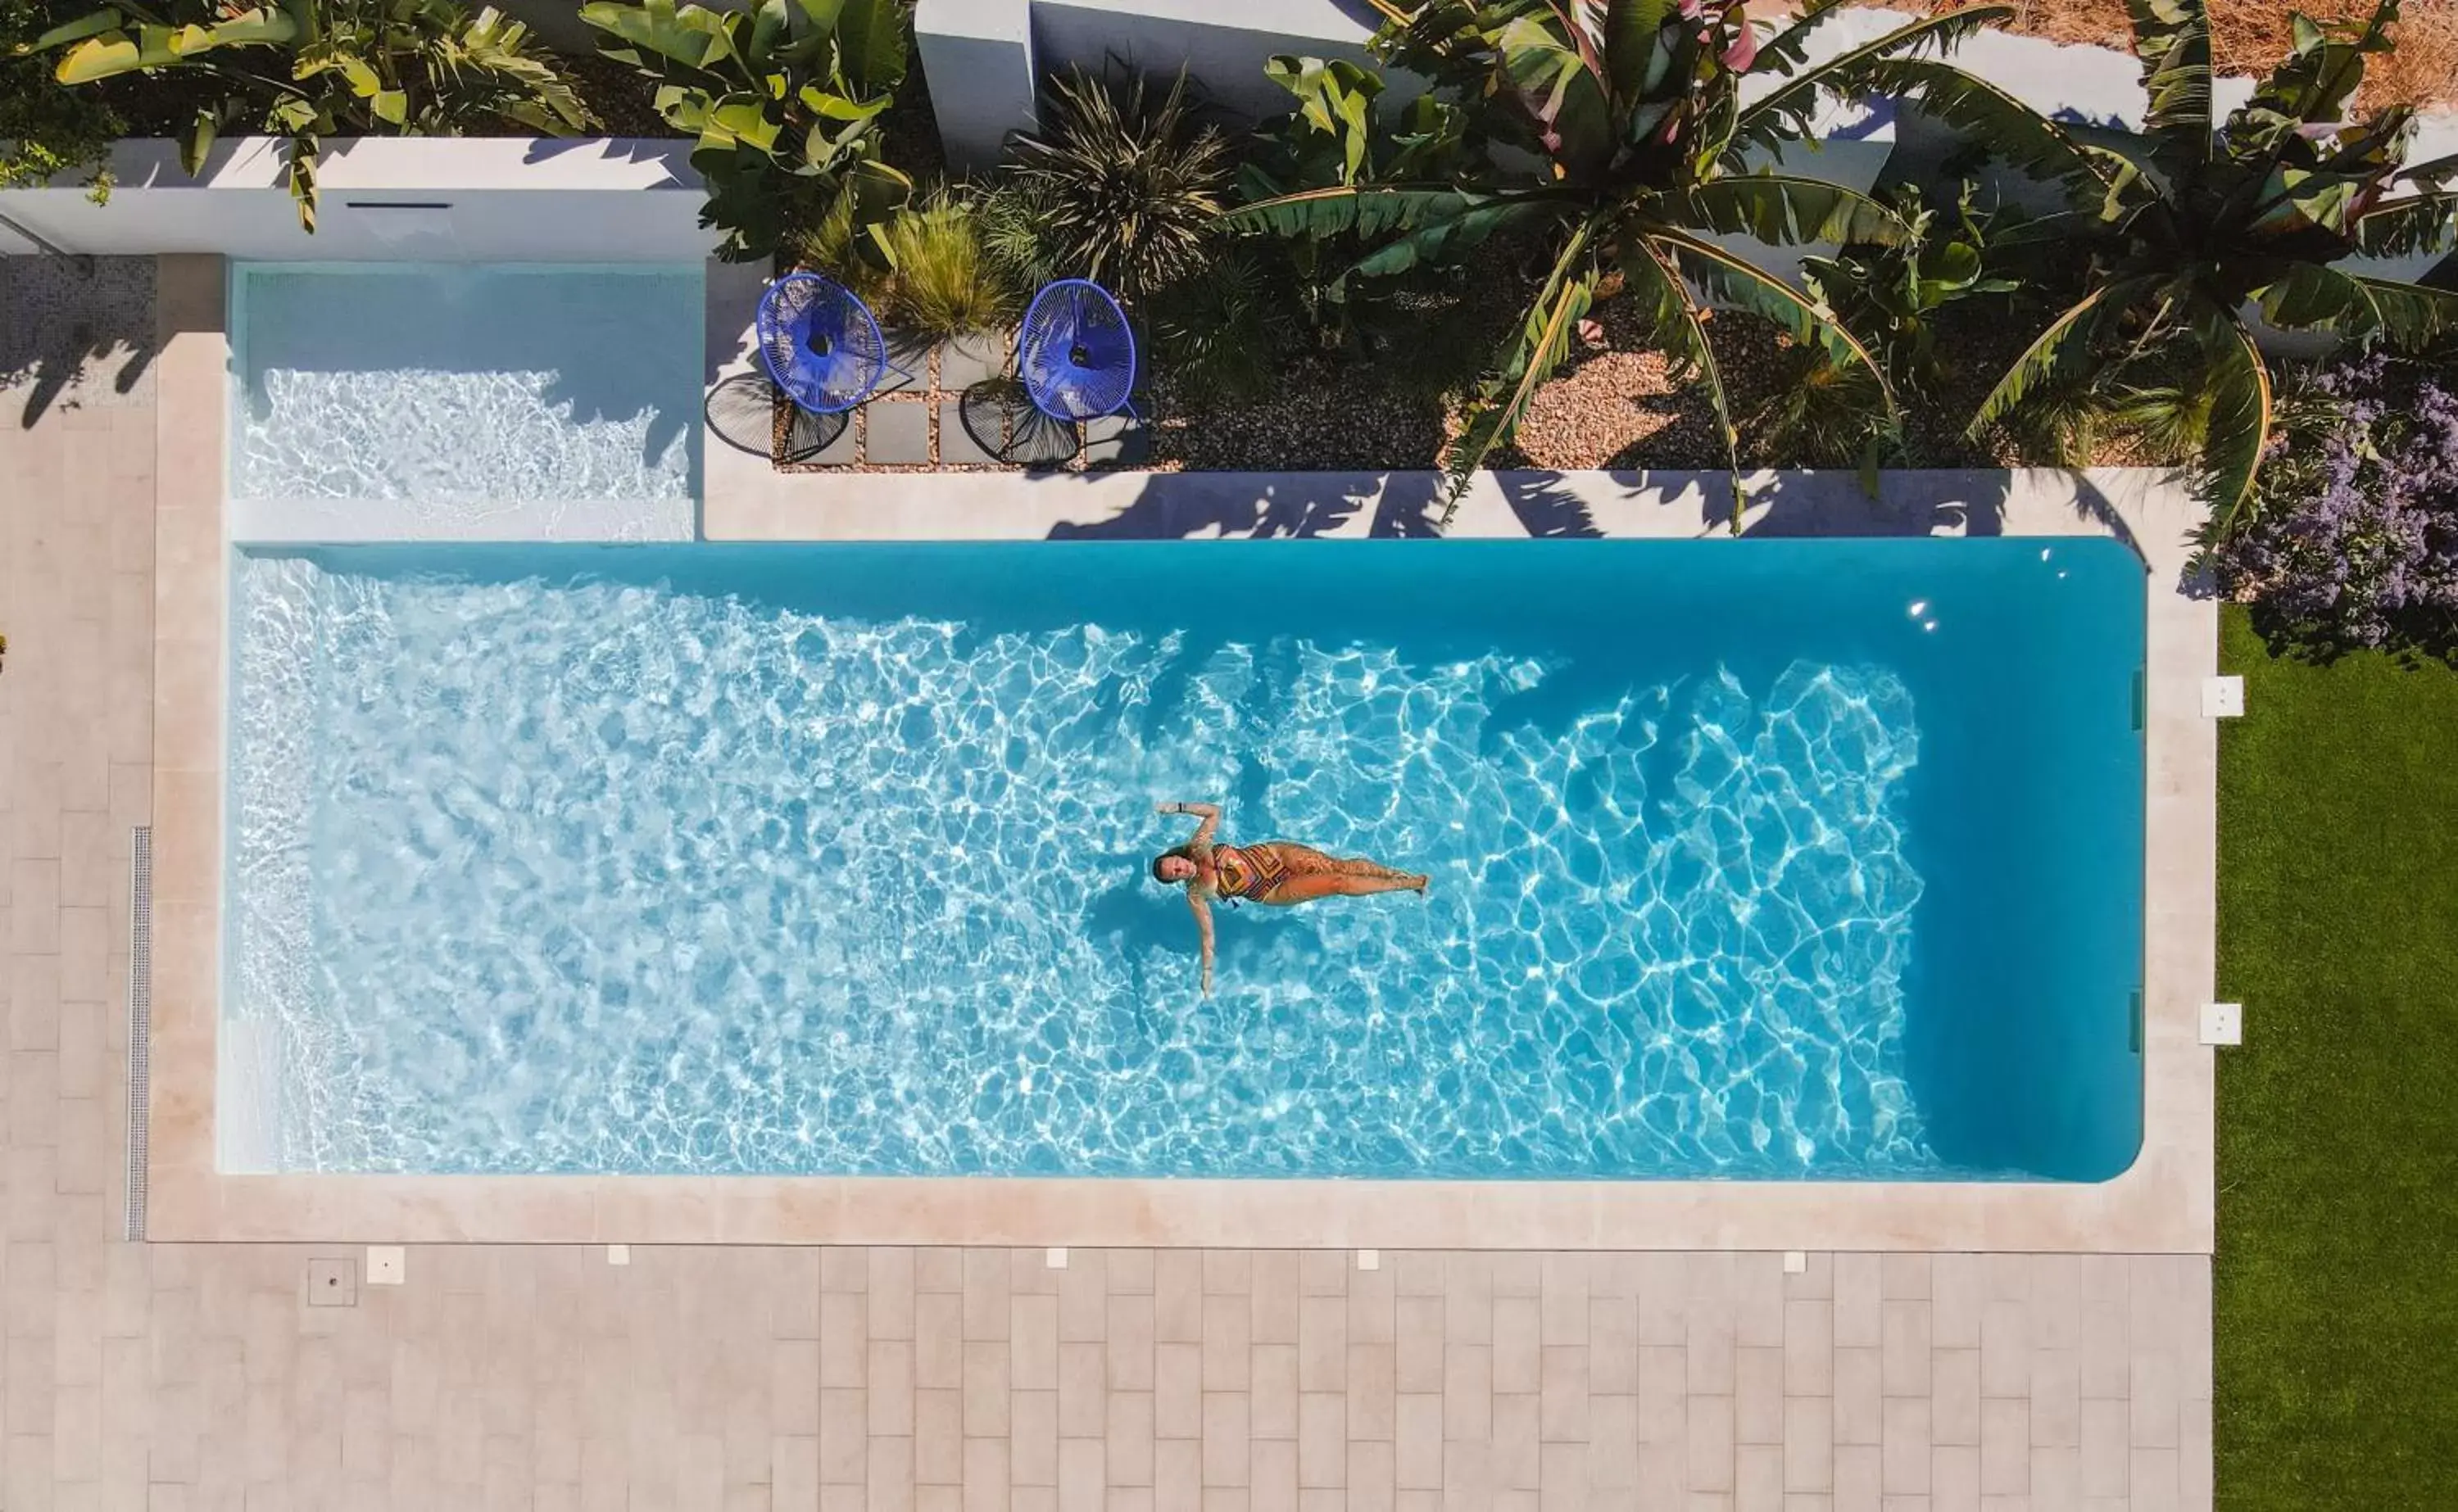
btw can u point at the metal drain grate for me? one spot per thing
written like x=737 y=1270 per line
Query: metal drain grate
x=140 y=1015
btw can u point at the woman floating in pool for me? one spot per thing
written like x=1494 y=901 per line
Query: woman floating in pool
x=1276 y=872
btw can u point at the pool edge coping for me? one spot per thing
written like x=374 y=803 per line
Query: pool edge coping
x=2163 y=1203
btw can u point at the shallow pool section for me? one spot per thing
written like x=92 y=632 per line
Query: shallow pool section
x=404 y=400
x=1778 y=860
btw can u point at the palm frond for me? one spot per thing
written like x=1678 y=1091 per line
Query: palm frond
x=1789 y=111
x=2238 y=386
x=2173 y=39
x=2051 y=356
x=1682 y=328
x=1789 y=48
x=1784 y=210
x=1446 y=239
x=2412 y=316
x=2312 y=296
x=1528 y=358
x=1366 y=209
x=2426 y=222
x=1731 y=280
x=2011 y=130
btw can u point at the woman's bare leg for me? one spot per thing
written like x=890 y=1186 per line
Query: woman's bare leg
x=1389 y=879
x=1307 y=886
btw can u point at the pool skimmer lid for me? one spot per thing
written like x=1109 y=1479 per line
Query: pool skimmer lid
x=2223 y=1023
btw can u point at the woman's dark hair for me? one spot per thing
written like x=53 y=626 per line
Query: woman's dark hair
x=1187 y=851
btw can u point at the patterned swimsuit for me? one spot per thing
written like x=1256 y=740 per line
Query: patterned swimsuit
x=1249 y=872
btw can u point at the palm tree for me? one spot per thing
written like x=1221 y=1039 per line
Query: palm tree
x=2196 y=225
x=1632 y=110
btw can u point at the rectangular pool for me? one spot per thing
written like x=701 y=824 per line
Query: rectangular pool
x=1766 y=860
x=395 y=401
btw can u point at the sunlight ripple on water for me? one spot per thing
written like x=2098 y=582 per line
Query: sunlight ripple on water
x=555 y=876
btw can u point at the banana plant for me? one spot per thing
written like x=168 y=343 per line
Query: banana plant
x=2207 y=221
x=1892 y=292
x=1633 y=113
x=310 y=69
x=784 y=101
x=1338 y=135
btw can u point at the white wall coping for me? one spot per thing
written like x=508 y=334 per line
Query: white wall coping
x=455 y=164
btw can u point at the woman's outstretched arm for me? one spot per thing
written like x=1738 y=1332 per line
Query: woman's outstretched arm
x=1203 y=924
x=1208 y=813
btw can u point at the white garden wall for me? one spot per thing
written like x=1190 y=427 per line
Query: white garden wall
x=497 y=200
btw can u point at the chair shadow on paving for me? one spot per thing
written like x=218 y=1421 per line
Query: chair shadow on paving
x=72 y=334
x=744 y=409
x=1173 y=505
x=1004 y=422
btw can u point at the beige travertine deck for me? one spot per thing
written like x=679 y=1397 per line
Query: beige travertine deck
x=2162 y=1204
x=177 y=1378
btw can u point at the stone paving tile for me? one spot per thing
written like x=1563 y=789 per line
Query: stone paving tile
x=709 y=1379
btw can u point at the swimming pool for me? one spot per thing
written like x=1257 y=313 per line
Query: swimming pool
x=1769 y=860
x=449 y=400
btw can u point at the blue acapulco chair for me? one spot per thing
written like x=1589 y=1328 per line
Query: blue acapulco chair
x=1075 y=353
x=821 y=344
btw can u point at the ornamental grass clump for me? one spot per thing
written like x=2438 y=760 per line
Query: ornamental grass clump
x=1129 y=181
x=2353 y=542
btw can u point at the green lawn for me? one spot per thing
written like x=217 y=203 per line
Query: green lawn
x=2337 y=1281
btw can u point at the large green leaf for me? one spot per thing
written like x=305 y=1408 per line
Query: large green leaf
x=91 y=24
x=1680 y=327
x=199 y=141
x=692 y=35
x=2309 y=295
x=2056 y=351
x=870 y=44
x=2424 y=223
x=1336 y=98
x=114 y=53
x=2413 y=315
x=1447 y=239
x=2173 y=39
x=1527 y=358
x=2238 y=386
x=2313 y=86
x=1368 y=210
x=2297 y=199
x=1562 y=95
x=1632 y=34
x=156 y=47
x=739 y=118
x=1788 y=112
x=2007 y=128
x=1784 y=211
x=1733 y=280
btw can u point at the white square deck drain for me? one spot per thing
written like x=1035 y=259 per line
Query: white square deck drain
x=1795 y=1262
x=386 y=1265
x=1369 y=1259
x=2222 y=697
x=1056 y=1259
x=618 y=1255
x=2223 y=1023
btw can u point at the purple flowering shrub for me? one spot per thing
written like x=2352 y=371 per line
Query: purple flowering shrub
x=2353 y=541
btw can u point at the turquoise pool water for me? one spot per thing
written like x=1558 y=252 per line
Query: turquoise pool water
x=1759 y=859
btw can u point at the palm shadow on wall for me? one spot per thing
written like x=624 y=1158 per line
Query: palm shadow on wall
x=1176 y=505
